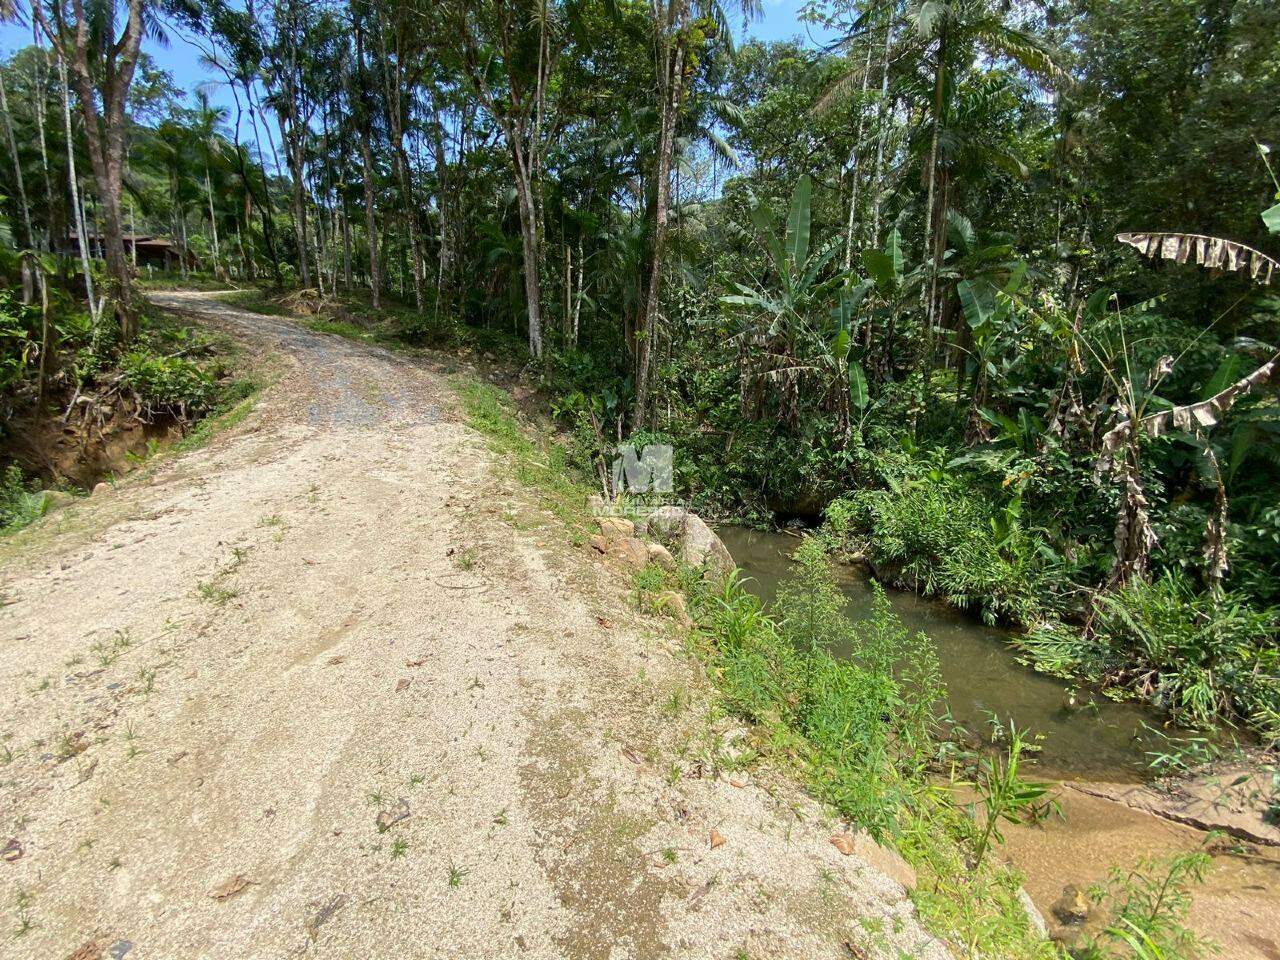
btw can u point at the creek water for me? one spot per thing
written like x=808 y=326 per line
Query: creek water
x=1085 y=736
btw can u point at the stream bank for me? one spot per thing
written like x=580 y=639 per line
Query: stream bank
x=1096 y=752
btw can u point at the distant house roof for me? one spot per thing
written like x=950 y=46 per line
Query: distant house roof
x=139 y=239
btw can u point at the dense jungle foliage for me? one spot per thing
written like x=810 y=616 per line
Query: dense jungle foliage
x=873 y=284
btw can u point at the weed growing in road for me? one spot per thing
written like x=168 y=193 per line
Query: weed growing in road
x=500 y=818
x=108 y=651
x=216 y=593
x=416 y=779
x=676 y=701
x=377 y=798
x=68 y=746
x=465 y=559
x=22 y=908
x=456 y=875
x=130 y=736
x=669 y=856
x=399 y=847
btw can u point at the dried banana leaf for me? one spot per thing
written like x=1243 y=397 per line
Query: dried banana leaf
x=1213 y=252
x=1192 y=417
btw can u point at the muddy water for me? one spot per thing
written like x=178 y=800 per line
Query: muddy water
x=1084 y=736
x=1099 y=741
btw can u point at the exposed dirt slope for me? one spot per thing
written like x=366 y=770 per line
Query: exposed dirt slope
x=219 y=675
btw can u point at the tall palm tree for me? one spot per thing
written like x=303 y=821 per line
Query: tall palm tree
x=206 y=125
x=956 y=34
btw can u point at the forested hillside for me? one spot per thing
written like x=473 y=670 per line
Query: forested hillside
x=894 y=285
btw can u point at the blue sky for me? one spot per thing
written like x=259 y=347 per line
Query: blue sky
x=779 y=20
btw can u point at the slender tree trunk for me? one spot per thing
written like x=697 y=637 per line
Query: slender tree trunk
x=133 y=231
x=882 y=111
x=371 y=221
x=672 y=74
x=82 y=239
x=30 y=239
x=529 y=244
x=213 y=221
x=577 y=299
x=935 y=230
x=856 y=164
x=42 y=60
x=295 y=151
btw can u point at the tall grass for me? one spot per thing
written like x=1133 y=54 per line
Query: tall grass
x=1200 y=657
x=940 y=539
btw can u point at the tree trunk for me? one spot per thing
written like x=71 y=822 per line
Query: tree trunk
x=51 y=232
x=106 y=142
x=529 y=245
x=82 y=240
x=931 y=222
x=882 y=110
x=670 y=86
x=29 y=240
x=213 y=222
x=856 y=164
x=371 y=221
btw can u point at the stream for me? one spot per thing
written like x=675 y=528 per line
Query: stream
x=1085 y=737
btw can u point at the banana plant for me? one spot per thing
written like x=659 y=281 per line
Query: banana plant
x=991 y=313
x=786 y=335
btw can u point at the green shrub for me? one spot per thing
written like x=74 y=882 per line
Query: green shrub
x=1148 y=908
x=19 y=344
x=19 y=506
x=868 y=719
x=1199 y=657
x=941 y=539
x=171 y=384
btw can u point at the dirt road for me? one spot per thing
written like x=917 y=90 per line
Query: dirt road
x=329 y=686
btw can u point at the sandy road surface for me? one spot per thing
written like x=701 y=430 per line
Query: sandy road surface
x=216 y=677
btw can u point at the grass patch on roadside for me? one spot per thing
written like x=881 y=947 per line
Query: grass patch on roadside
x=341 y=328
x=163 y=280
x=253 y=300
x=540 y=464
x=236 y=404
x=20 y=505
